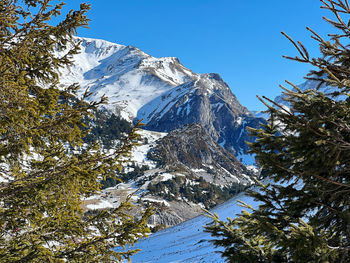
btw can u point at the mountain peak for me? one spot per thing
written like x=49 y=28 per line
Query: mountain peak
x=161 y=91
x=215 y=76
x=98 y=43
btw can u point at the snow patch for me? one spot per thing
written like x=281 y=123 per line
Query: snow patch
x=150 y=199
x=166 y=177
x=102 y=204
x=253 y=169
x=139 y=153
x=197 y=170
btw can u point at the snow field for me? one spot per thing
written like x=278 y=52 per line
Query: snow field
x=187 y=242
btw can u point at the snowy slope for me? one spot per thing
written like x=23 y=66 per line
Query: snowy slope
x=187 y=242
x=139 y=153
x=129 y=77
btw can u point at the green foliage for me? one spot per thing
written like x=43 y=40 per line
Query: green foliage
x=105 y=128
x=158 y=228
x=158 y=156
x=43 y=183
x=303 y=214
x=199 y=192
x=124 y=177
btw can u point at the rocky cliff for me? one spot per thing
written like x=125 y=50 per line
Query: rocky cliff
x=190 y=148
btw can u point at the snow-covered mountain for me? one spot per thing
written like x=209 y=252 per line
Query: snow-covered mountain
x=194 y=125
x=161 y=92
x=129 y=77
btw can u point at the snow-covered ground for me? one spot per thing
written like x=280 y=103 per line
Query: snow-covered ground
x=187 y=242
x=139 y=153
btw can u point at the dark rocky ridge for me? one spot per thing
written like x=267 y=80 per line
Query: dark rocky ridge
x=190 y=147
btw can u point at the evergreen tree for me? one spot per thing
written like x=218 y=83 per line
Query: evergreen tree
x=42 y=182
x=106 y=128
x=304 y=149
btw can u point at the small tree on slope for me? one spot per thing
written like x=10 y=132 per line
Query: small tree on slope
x=42 y=218
x=304 y=211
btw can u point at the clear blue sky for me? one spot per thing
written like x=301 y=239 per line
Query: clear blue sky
x=240 y=40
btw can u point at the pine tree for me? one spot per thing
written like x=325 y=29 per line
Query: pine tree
x=46 y=170
x=304 y=149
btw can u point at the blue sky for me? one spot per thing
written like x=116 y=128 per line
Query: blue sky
x=240 y=40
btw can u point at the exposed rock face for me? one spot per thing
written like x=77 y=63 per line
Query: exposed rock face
x=175 y=214
x=209 y=102
x=190 y=148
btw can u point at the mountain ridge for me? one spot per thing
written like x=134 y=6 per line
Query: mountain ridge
x=160 y=91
